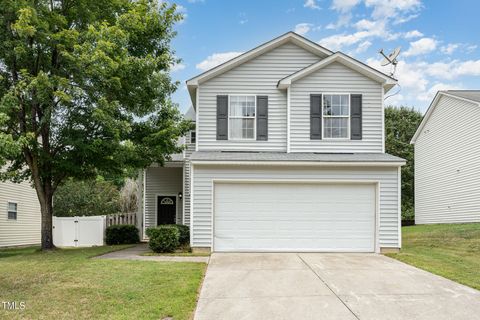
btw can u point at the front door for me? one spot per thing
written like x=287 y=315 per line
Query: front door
x=166 y=210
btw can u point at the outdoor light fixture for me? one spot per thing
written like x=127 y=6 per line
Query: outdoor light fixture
x=180 y=195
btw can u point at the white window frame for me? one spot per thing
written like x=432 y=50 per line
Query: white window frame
x=16 y=210
x=254 y=118
x=347 y=117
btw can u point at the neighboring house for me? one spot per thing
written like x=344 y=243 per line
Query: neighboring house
x=20 y=217
x=447 y=159
x=288 y=155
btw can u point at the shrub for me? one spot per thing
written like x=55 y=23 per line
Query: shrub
x=184 y=231
x=121 y=234
x=86 y=198
x=163 y=238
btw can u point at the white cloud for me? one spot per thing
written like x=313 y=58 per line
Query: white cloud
x=450 y=48
x=413 y=34
x=420 y=81
x=339 y=41
x=216 y=59
x=303 y=28
x=471 y=48
x=367 y=30
x=385 y=13
x=362 y=47
x=243 y=18
x=344 y=5
x=343 y=20
x=393 y=8
x=312 y=4
x=410 y=77
x=177 y=67
x=195 y=1
x=452 y=69
x=430 y=94
x=403 y=19
x=422 y=46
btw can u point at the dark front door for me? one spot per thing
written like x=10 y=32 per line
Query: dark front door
x=166 y=209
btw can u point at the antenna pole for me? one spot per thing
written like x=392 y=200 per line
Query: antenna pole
x=383 y=54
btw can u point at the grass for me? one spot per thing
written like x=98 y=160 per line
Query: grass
x=449 y=250
x=67 y=284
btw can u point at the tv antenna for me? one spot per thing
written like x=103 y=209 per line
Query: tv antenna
x=390 y=59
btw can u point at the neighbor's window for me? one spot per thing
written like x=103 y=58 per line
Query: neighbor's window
x=12 y=211
x=241 y=117
x=336 y=116
x=193 y=137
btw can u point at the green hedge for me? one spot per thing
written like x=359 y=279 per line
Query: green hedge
x=121 y=234
x=164 y=238
x=184 y=231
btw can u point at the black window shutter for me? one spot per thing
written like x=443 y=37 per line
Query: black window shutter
x=262 y=118
x=315 y=116
x=222 y=117
x=356 y=117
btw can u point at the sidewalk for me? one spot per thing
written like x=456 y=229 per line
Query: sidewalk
x=135 y=253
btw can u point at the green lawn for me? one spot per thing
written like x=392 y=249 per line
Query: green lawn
x=449 y=250
x=67 y=284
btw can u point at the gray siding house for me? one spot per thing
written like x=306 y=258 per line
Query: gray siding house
x=287 y=155
x=447 y=161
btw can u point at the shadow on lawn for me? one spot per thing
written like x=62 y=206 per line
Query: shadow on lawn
x=11 y=252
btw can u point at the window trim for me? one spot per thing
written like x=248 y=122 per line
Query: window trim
x=254 y=138
x=348 y=138
x=16 y=210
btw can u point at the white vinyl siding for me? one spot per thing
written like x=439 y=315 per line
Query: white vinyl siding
x=339 y=79
x=25 y=229
x=204 y=175
x=160 y=181
x=260 y=77
x=447 y=164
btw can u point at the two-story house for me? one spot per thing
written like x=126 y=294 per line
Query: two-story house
x=288 y=155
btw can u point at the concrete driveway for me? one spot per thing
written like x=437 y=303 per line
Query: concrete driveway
x=328 y=286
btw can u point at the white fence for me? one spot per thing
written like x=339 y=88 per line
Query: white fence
x=78 y=231
x=122 y=218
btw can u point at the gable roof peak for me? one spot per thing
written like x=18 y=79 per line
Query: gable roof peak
x=288 y=37
x=387 y=81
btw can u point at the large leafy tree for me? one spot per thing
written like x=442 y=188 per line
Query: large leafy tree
x=84 y=89
x=86 y=198
x=400 y=126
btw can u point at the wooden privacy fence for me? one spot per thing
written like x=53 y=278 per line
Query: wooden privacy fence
x=121 y=218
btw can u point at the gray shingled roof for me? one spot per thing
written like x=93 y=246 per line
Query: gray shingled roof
x=467 y=94
x=282 y=156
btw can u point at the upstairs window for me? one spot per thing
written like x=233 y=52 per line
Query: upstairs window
x=193 y=137
x=241 y=117
x=336 y=116
x=12 y=211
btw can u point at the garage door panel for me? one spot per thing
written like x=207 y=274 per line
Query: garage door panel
x=291 y=216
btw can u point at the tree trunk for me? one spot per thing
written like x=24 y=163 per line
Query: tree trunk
x=47 y=213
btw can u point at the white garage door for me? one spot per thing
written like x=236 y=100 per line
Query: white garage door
x=294 y=217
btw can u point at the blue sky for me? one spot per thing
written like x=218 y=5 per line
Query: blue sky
x=439 y=39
